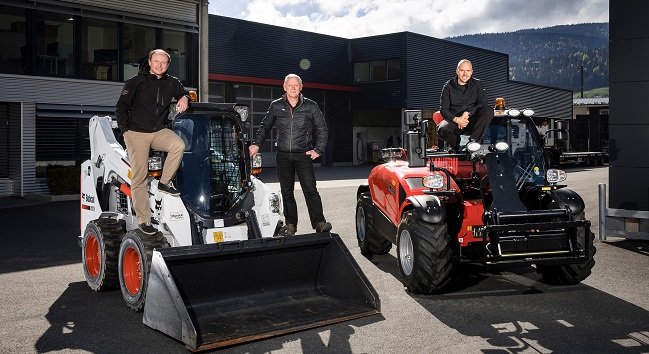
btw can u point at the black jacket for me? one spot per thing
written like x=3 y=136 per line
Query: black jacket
x=295 y=126
x=144 y=103
x=455 y=100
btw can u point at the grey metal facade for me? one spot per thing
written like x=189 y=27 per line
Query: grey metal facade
x=24 y=94
x=28 y=92
x=178 y=12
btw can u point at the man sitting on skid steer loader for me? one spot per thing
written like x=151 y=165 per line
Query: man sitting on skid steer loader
x=142 y=111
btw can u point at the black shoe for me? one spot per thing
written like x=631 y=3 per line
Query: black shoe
x=168 y=188
x=287 y=230
x=323 y=226
x=147 y=229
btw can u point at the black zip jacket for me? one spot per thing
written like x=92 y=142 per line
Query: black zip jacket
x=455 y=100
x=295 y=126
x=144 y=103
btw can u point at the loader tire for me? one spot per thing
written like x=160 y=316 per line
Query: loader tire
x=369 y=242
x=100 y=247
x=424 y=254
x=570 y=274
x=135 y=255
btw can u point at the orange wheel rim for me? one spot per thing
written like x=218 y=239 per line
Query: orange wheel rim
x=132 y=271
x=93 y=257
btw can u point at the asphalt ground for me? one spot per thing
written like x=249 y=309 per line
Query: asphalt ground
x=49 y=308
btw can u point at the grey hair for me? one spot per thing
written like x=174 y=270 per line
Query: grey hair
x=463 y=61
x=159 y=51
x=299 y=79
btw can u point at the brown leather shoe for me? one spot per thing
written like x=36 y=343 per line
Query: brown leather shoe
x=323 y=226
x=287 y=230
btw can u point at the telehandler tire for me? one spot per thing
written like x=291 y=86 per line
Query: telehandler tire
x=135 y=254
x=570 y=274
x=100 y=243
x=369 y=242
x=424 y=254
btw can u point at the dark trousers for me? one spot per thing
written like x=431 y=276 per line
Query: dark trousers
x=288 y=165
x=478 y=123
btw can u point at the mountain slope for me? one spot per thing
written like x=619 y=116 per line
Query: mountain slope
x=553 y=55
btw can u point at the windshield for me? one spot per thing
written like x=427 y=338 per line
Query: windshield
x=212 y=175
x=524 y=147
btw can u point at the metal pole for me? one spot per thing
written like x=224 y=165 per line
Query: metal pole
x=582 y=81
x=203 y=53
x=602 y=211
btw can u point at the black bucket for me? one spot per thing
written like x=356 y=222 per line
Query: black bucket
x=224 y=294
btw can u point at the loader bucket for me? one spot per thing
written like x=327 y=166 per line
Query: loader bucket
x=211 y=296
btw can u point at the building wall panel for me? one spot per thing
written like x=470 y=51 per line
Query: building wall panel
x=546 y=102
x=180 y=10
x=380 y=94
x=255 y=50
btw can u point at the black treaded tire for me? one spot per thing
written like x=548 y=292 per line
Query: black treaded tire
x=570 y=274
x=424 y=254
x=99 y=250
x=369 y=242
x=135 y=253
x=549 y=159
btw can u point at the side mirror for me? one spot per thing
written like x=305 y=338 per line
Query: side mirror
x=412 y=116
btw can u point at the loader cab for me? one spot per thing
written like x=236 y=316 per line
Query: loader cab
x=213 y=176
x=525 y=146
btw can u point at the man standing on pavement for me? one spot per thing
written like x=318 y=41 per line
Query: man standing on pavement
x=142 y=111
x=296 y=117
x=463 y=104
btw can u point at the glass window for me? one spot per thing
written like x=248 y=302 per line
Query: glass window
x=217 y=92
x=243 y=91
x=54 y=44
x=361 y=72
x=138 y=42
x=13 y=58
x=262 y=92
x=378 y=70
x=99 y=50
x=394 y=69
x=175 y=43
x=278 y=92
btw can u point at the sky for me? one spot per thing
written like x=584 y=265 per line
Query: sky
x=435 y=18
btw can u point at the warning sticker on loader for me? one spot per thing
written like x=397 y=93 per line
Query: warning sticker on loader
x=175 y=216
x=265 y=219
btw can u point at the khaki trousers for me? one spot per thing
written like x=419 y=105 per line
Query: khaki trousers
x=138 y=145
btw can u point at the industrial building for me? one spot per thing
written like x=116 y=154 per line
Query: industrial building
x=65 y=61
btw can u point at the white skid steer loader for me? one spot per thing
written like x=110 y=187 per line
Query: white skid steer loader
x=216 y=273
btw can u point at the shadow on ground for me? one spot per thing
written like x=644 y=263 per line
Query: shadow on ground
x=101 y=323
x=38 y=236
